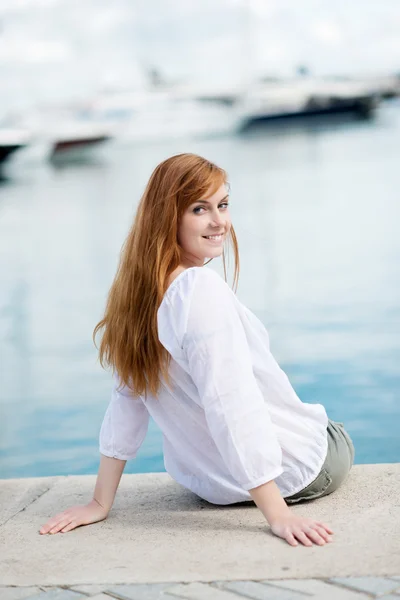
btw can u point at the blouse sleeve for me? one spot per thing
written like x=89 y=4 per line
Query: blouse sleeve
x=124 y=425
x=220 y=365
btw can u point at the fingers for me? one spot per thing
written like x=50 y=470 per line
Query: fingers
x=326 y=527
x=60 y=526
x=315 y=537
x=59 y=523
x=52 y=523
x=291 y=539
x=70 y=526
x=323 y=533
x=301 y=536
x=312 y=534
x=303 y=530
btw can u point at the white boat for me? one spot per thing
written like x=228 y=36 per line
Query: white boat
x=76 y=142
x=58 y=136
x=384 y=86
x=160 y=115
x=308 y=97
x=12 y=140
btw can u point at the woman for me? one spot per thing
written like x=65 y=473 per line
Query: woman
x=185 y=351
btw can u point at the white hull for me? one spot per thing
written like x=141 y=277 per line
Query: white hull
x=160 y=116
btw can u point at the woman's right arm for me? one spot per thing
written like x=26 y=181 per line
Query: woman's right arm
x=122 y=432
x=97 y=509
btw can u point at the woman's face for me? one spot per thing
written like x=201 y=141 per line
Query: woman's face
x=203 y=228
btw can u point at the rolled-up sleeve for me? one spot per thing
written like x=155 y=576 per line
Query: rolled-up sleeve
x=125 y=424
x=220 y=365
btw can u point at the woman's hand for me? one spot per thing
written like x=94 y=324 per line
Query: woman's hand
x=284 y=523
x=295 y=529
x=75 y=517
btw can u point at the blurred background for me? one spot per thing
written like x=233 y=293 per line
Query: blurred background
x=298 y=100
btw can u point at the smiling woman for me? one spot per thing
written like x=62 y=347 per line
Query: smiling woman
x=186 y=352
x=185 y=201
x=203 y=228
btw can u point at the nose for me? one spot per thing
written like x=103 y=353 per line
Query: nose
x=217 y=220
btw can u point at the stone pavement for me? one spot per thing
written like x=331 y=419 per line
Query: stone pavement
x=161 y=541
x=345 y=588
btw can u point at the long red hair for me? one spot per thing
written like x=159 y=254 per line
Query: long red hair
x=149 y=255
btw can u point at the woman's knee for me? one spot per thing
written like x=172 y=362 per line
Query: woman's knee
x=340 y=457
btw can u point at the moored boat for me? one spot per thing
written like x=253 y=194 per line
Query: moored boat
x=77 y=145
x=288 y=100
x=11 y=140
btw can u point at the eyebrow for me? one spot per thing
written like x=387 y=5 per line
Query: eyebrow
x=206 y=202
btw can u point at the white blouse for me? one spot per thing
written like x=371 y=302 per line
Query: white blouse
x=231 y=420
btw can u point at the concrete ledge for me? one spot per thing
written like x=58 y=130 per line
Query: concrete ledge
x=159 y=532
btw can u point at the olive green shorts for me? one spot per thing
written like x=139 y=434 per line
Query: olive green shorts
x=338 y=462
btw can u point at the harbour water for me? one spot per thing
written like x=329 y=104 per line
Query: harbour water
x=316 y=209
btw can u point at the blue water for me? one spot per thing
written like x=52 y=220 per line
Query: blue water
x=317 y=211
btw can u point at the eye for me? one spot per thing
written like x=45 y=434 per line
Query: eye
x=197 y=209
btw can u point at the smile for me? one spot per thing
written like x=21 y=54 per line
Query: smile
x=216 y=238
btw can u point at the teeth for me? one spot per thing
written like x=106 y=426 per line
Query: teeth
x=214 y=237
